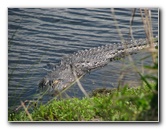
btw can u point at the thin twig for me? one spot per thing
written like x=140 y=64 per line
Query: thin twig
x=131 y=23
x=116 y=24
x=146 y=19
x=26 y=110
x=21 y=105
x=78 y=82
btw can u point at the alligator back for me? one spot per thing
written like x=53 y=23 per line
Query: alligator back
x=79 y=63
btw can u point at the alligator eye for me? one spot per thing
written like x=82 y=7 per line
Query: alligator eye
x=54 y=82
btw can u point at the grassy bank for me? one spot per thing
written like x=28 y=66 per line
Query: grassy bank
x=124 y=104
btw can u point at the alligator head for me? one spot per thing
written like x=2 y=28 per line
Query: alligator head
x=58 y=79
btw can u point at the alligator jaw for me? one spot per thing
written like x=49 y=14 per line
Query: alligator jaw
x=53 y=85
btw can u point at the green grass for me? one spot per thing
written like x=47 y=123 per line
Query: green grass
x=124 y=104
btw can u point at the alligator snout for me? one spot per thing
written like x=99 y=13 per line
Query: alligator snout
x=51 y=84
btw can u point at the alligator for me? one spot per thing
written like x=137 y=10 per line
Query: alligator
x=75 y=65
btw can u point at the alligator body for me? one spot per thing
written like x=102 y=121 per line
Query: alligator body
x=77 y=64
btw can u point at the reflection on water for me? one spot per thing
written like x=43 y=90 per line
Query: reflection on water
x=41 y=36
